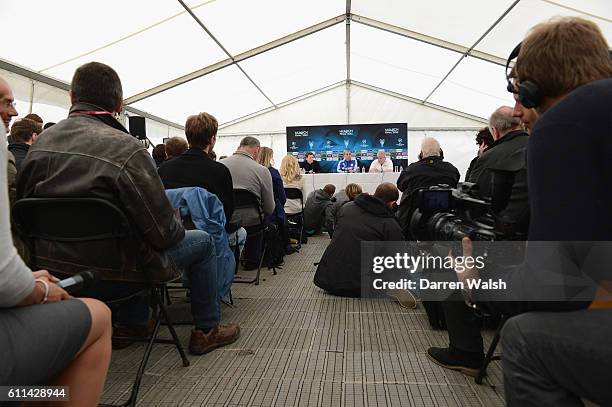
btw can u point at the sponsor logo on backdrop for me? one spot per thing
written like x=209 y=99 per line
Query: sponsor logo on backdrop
x=392 y=130
x=293 y=146
x=301 y=133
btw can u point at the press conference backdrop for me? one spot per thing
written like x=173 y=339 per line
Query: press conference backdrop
x=328 y=143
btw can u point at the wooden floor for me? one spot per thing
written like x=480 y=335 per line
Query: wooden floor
x=302 y=347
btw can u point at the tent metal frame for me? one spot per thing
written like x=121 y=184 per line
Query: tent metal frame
x=348 y=17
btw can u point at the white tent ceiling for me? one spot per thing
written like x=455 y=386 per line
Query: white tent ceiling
x=237 y=57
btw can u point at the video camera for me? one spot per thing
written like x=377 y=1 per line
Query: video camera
x=450 y=214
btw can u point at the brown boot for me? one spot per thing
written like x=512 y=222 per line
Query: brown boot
x=221 y=335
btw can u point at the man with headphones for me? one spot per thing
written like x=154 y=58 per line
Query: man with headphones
x=561 y=353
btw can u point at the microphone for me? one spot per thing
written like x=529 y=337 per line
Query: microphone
x=77 y=282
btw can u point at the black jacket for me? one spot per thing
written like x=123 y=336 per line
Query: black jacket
x=194 y=168
x=316 y=208
x=314 y=168
x=94 y=156
x=365 y=219
x=19 y=150
x=508 y=153
x=424 y=173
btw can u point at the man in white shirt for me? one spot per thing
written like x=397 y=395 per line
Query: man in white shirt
x=382 y=163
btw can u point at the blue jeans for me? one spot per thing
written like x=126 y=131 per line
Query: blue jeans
x=195 y=256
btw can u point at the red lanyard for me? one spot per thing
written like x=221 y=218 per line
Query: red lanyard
x=92 y=112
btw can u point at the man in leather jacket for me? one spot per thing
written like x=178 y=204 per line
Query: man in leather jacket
x=90 y=154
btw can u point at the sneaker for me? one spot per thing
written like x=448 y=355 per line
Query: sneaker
x=137 y=332
x=404 y=298
x=467 y=363
x=221 y=335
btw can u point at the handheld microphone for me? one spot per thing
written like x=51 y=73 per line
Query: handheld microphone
x=77 y=282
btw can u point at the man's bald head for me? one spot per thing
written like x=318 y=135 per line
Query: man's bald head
x=7 y=103
x=503 y=121
x=430 y=147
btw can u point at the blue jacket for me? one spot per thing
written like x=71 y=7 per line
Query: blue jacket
x=347 y=166
x=206 y=212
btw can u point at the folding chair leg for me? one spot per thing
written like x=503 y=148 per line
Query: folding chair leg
x=263 y=254
x=490 y=352
x=131 y=402
x=177 y=342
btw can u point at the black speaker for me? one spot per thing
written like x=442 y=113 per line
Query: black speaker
x=138 y=128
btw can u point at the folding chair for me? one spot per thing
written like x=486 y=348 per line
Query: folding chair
x=245 y=199
x=296 y=193
x=490 y=356
x=79 y=222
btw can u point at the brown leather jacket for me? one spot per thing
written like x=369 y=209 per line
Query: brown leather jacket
x=90 y=155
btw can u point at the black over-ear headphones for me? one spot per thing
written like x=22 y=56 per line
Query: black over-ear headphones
x=529 y=93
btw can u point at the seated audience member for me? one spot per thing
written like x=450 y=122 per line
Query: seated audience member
x=61 y=341
x=159 y=154
x=290 y=174
x=278 y=217
x=348 y=194
x=247 y=174
x=466 y=351
x=175 y=146
x=382 y=163
x=47 y=125
x=223 y=157
x=367 y=218
x=484 y=139
x=316 y=206
x=100 y=158
x=310 y=165
x=7 y=112
x=348 y=164
x=23 y=134
x=7 y=106
x=430 y=170
x=195 y=168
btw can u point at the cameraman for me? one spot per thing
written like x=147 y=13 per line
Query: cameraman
x=556 y=358
x=465 y=351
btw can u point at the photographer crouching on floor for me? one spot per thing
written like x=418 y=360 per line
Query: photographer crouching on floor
x=557 y=351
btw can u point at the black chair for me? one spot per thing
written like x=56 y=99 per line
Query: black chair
x=490 y=356
x=245 y=199
x=79 y=222
x=296 y=193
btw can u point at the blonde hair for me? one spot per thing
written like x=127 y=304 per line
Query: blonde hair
x=289 y=169
x=352 y=190
x=562 y=54
x=265 y=156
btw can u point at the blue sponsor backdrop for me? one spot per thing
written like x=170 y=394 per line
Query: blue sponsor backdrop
x=364 y=140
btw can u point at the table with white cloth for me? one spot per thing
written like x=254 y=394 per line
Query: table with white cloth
x=368 y=181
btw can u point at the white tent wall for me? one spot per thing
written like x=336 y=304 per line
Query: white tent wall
x=52 y=104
